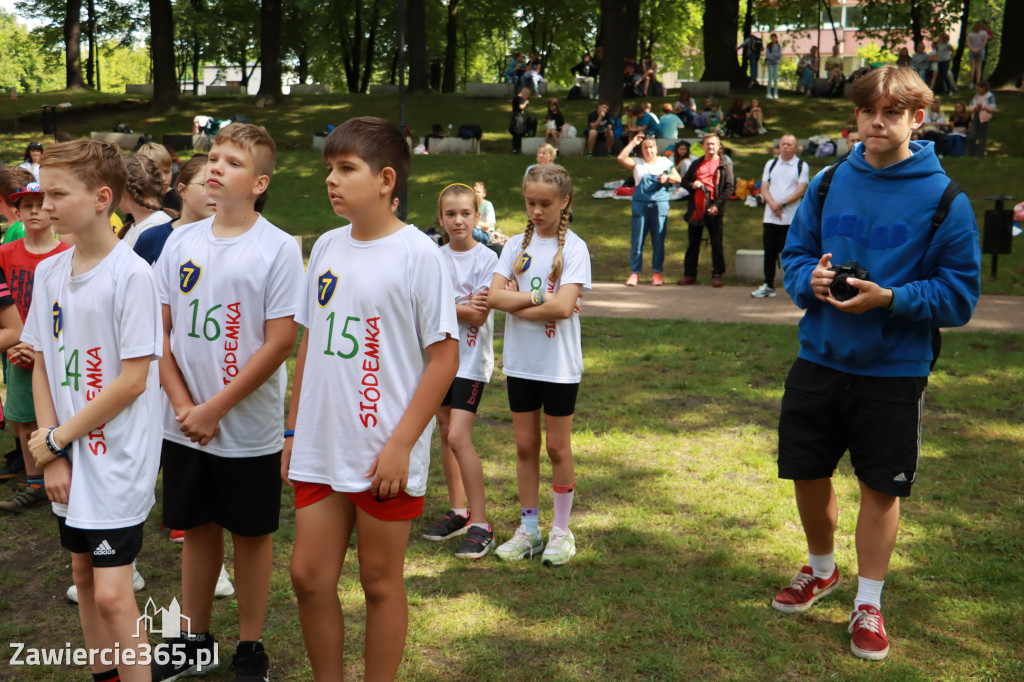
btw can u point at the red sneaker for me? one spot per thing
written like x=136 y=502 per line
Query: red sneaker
x=656 y=279
x=687 y=281
x=177 y=535
x=804 y=591
x=716 y=281
x=633 y=280
x=869 y=640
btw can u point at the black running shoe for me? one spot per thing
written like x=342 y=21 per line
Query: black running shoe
x=188 y=656
x=13 y=466
x=476 y=544
x=450 y=526
x=250 y=662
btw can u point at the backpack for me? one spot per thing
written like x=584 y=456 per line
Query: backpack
x=799 y=169
x=470 y=131
x=939 y=217
x=576 y=92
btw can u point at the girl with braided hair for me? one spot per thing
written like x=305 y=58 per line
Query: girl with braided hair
x=538 y=281
x=141 y=199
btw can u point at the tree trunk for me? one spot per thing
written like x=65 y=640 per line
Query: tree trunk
x=92 y=65
x=748 y=25
x=962 y=42
x=1011 y=50
x=451 y=49
x=271 y=17
x=620 y=24
x=915 y=22
x=72 y=44
x=161 y=25
x=371 y=48
x=303 y=57
x=196 y=47
x=417 y=36
x=721 y=24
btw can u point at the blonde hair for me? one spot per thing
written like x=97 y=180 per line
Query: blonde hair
x=254 y=139
x=900 y=84
x=551 y=151
x=549 y=174
x=453 y=190
x=145 y=187
x=159 y=155
x=97 y=164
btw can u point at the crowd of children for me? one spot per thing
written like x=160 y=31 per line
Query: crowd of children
x=185 y=343
x=119 y=360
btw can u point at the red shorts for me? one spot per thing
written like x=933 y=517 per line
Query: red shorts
x=400 y=508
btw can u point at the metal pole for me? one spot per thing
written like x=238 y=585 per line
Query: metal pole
x=403 y=196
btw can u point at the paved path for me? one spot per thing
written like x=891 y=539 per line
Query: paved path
x=734 y=304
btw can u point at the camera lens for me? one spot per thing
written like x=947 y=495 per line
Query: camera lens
x=840 y=290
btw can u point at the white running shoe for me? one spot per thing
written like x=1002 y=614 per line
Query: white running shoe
x=764 y=291
x=561 y=547
x=138 y=583
x=224 y=587
x=523 y=545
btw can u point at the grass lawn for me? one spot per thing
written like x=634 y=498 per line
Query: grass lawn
x=684 y=534
x=298 y=202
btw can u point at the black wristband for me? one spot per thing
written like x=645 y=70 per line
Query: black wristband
x=57 y=452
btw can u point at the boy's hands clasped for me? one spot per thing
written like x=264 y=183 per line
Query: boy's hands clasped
x=199 y=422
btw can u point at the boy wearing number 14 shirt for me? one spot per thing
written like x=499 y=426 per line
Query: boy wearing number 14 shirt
x=229 y=286
x=379 y=353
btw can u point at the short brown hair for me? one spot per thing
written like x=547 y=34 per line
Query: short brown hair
x=11 y=180
x=254 y=139
x=376 y=141
x=900 y=84
x=96 y=163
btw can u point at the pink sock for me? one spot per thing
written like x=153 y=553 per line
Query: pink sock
x=563 y=504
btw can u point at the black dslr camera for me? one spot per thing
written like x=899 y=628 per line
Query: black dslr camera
x=840 y=290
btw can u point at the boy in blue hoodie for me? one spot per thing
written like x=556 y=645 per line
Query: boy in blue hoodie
x=858 y=381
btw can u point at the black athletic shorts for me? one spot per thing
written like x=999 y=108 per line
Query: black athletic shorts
x=109 y=547
x=241 y=494
x=527 y=395
x=464 y=394
x=826 y=412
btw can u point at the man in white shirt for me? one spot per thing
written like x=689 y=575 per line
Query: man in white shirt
x=782 y=185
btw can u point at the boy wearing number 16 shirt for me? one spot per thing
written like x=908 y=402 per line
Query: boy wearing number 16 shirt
x=379 y=353
x=229 y=286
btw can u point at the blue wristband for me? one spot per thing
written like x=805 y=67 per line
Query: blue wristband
x=290 y=433
x=57 y=452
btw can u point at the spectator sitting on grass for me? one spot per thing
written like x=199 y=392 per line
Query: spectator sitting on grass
x=960 y=122
x=669 y=125
x=834 y=69
x=685 y=107
x=755 y=113
x=545 y=154
x=737 y=117
x=681 y=157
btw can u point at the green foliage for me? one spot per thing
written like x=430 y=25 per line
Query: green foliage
x=29 y=65
x=121 y=65
x=873 y=53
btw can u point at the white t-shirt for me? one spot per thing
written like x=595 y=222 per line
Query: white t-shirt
x=642 y=168
x=152 y=220
x=784 y=180
x=371 y=309
x=545 y=351
x=933 y=117
x=221 y=292
x=976 y=40
x=85 y=326
x=471 y=271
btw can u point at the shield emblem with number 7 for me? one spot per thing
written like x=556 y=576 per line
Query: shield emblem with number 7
x=326 y=285
x=188 y=276
x=58 y=320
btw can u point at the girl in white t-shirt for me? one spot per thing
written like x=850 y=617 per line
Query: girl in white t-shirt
x=539 y=279
x=471 y=266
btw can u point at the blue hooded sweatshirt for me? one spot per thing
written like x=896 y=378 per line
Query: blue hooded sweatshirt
x=881 y=218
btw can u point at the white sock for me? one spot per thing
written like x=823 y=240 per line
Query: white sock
x=461 y=512
x=869 y=592
x=485 y=526
x=823 y=565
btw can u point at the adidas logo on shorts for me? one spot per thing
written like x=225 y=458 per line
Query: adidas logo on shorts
x=104 y=549
x=900 y=478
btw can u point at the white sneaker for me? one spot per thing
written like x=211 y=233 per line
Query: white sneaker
x=224 y=587
x=561 y=547
x=764 y=291
x=523 y=545
x=138 y=583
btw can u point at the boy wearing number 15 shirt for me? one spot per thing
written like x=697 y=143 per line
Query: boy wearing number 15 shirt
x=229 y=286
x=379 y=353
